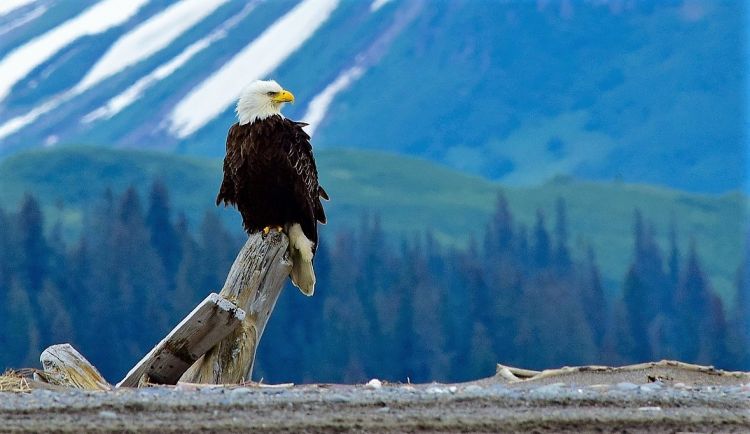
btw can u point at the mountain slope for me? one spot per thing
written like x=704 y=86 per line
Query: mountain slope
x=410 y=196
x=513 y=91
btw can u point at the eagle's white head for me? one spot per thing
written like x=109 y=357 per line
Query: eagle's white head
x=261 y=99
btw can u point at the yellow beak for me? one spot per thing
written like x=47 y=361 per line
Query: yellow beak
x=284 y=96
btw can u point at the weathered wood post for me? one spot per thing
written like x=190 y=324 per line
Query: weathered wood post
x=253 y=284
x=212 y=320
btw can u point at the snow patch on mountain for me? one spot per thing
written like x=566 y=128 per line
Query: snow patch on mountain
x=134 y=92
x=96 y=19
x=209 y=99
x=319 y=105
x=19 y=122
x=377 y=4
x=149 y=37
x=24 y=19
x=8 y=6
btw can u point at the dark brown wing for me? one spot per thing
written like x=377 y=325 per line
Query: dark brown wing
x=303 y=162
x=232 y=162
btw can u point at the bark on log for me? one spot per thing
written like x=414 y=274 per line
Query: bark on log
x=211 y=321
x=64 y=366
x=254 y=284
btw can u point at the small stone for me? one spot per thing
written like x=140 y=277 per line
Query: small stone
x=184 y=387
x=453 y=389
x=240 y=391
x=436 y=390
x=383 y=410
x=649 y=409
x=374 y=384
x=108 y=414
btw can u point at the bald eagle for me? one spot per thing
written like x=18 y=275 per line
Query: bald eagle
x=270 y=176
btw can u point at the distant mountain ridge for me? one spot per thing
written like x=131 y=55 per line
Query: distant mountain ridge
x=515 y=91
x=410 y=196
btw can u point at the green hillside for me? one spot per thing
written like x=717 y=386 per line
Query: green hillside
x=410 y=195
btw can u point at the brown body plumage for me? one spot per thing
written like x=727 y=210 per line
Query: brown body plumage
x=270 y=176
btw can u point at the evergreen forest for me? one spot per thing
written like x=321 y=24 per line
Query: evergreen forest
x=395 y=308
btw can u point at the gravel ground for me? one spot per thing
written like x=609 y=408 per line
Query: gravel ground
x=482 y=406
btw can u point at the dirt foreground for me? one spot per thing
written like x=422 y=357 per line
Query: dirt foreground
x=648 y=398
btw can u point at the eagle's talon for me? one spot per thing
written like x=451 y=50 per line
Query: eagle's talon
x=279 y=229
x=266 y=230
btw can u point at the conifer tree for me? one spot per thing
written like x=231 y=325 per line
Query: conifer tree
x=542 y=249
x=218 y=249
x=700 y=316
x=80 y=293
x=371 y=283
x=20 y=338
x=635 y=297
x=620 y=345
x=405 y=340
x=347 y=334
x=482 y=358
x=96 y=259
x=674 y=257
x=7 y=253
x=523 y=256
x=164 y=237
x=592 y=298
x=498 y=240
x=429 y=358
x=33 y=251
x=646 y=295
x=505 y=262
x=55 y=320
x=740 y=331
x=468 y=301
x=562 y=251
x=140 y=282
x=552 y=330
x=186 y=294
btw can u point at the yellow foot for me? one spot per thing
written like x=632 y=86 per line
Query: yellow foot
x=267 y=229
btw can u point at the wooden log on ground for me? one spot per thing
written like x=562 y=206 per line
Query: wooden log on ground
x=64 y=366
x=254 y=284
x=212 y=320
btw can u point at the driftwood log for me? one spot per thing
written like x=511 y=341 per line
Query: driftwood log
x=215 y=344
x=253 y=284
x=212 y=320
x=64 y=366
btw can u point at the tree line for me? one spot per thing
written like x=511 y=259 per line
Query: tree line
x=404 y=309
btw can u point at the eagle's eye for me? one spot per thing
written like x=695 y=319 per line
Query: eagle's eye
x=272 y=93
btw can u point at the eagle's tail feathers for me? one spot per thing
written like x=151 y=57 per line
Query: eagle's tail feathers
x=303 y=275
